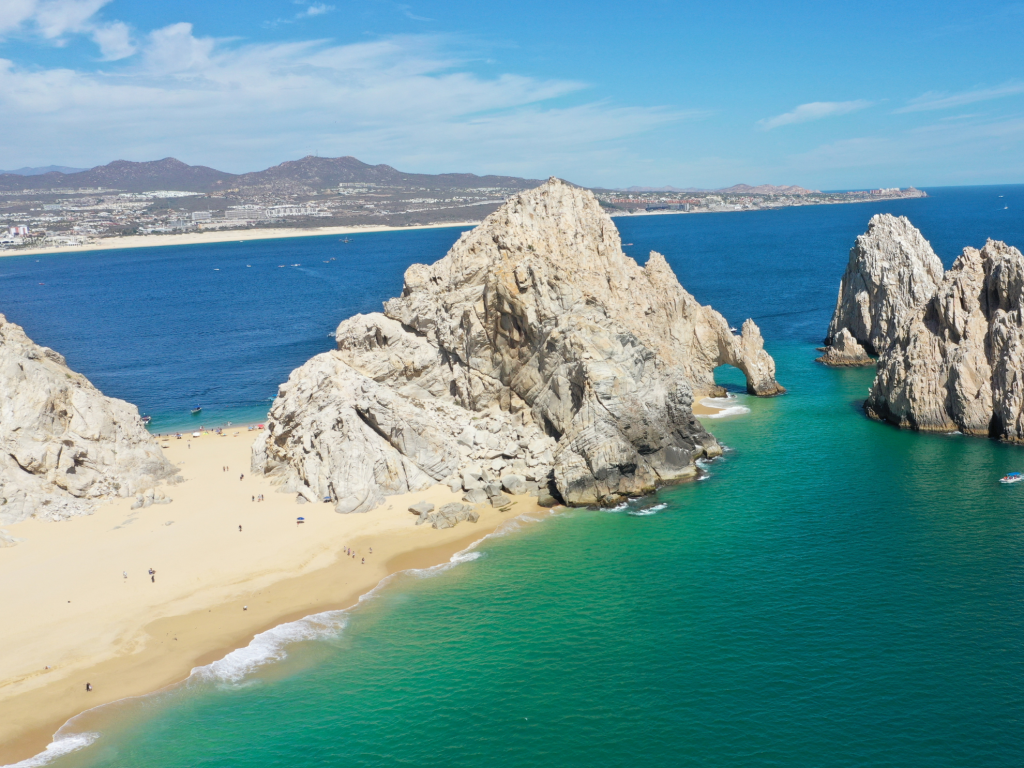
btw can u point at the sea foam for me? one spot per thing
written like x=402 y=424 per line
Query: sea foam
x=60 y=746
x=727 y=407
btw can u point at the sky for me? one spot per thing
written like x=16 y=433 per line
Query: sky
x=826 y=95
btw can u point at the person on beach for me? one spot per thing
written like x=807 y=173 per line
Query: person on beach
x=125 y=574
x=364 y=561
x=241 y=477
x=152 y=575
x=88 y=686
x=239 y=529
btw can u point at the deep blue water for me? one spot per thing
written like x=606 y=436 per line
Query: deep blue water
x=837 y=593
x=173 y=327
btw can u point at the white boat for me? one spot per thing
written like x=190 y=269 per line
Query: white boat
x=1011 y=477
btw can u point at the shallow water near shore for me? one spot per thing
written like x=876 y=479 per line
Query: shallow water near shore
x=836 y=592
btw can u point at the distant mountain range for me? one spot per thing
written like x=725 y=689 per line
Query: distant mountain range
x=311 y=172
x=46 y=169
x=736 y=189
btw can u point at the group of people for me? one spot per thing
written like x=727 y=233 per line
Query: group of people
x=152 y=573
x=352 y=553
x=258 y=498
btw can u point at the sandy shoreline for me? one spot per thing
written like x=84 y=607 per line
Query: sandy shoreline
x=69 y=607
x=219 y=236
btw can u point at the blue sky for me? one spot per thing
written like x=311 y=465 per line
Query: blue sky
x=823 y=94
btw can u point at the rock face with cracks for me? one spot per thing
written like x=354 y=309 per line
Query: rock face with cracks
x=63 y=444
x=534 y=348
x=958 y=362
x=891 y=272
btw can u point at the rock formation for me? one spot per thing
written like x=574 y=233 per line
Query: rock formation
x=845 y=351
x=891 y=272
x=63 y=445
x=958 y=362
x=534 y=348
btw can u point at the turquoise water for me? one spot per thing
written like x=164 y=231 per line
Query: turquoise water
x=836 y=592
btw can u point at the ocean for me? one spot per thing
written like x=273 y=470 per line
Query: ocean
x=836 y=592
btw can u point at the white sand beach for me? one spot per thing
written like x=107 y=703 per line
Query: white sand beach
x=72 y=617
x=218 y=236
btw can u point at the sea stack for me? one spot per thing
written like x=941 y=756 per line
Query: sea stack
x=891 y=272
x=958 y=362
x=63 y=444
x=535 y=349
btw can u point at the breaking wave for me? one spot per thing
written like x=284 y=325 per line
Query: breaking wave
x=60 y=746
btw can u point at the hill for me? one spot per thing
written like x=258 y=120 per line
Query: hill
x=310 y=172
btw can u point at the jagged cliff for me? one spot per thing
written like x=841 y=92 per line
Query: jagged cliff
x=958 y=362
x=535 y=349
x=891 y=272
x=63 y=444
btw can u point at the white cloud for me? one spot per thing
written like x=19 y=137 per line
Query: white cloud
x=114 y=40
x=403 y=100
x=932 y=101
x=317 y=9
x=816 y=110
x=53 y=20
x=174 y=49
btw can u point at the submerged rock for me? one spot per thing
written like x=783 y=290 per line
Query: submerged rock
x=535 y=347
x=958 y=362
x=891 y=272
x=63 y=444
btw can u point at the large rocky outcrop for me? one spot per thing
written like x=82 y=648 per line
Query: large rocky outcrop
x=535 y=347
x=891 y=272
x=958 y=362
x=63 y=445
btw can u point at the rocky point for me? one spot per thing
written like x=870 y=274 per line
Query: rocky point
x=534 y=356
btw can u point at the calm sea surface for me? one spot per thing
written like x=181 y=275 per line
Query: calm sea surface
x=836 y=593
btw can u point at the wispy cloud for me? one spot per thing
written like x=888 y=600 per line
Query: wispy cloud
x=816 y=110
x=933 y=101
x=411 y=99
x=407 y=12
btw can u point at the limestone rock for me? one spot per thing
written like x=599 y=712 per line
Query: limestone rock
x=514 y=484
x=422 y=508
x=958 y=363
x=534 y=343
x=475 y=496
x=63 y=444
x=845 y=351
x=891 y=272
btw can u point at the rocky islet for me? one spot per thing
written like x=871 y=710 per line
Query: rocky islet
x=891 y=272
x=535 y=353
x=950 y=345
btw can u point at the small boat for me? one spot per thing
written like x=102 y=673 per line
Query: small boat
x=344 y=240
x=1011 y=477
x=196 y=410
x=146 y=419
